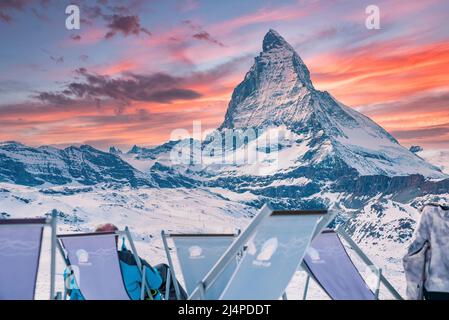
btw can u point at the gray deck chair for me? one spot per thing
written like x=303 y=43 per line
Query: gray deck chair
x=94 y=261
x=328 y=263
x=275 y=242
x=20 y=251
x=197 y=254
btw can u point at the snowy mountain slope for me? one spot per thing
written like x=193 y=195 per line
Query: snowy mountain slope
x=158 y=163
x=149 y=208
x=146 y=211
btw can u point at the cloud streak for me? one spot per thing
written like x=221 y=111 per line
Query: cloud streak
x=8 y=6
x=126 y=25
x=205 y=36
x=158 y=87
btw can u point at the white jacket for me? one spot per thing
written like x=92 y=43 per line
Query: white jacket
x=433 y=230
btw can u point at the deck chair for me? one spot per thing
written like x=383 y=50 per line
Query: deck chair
x=275 y=242
x=331 y=267
x=197 y=254
x=94 y=261
x=20 y=251
x=328 y=263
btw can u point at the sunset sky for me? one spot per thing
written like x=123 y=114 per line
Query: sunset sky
x=138 y=69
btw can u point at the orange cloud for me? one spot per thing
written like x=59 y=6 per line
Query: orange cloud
x=117 y=68
x=381 y=72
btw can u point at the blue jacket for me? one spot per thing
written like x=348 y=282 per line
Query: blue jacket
x=131 y=277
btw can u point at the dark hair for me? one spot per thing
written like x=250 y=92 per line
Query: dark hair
x=106 y=227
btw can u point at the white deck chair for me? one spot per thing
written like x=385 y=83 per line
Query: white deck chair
x=276 y=242
x=20 y=251
x=94 y=261
x=197 y=254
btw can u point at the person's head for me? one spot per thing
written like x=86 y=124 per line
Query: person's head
x=107 y=227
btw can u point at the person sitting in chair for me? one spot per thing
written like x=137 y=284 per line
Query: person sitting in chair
x=155 y=276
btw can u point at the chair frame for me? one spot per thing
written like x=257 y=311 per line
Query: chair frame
x=50 y=222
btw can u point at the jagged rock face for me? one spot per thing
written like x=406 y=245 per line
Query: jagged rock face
x=151 y=153
x=278 y=90
x=273 y=90
x=84 y=165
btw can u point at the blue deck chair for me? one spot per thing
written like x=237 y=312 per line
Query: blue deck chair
x=93 y=259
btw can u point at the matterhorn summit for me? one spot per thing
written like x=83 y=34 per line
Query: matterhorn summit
x=276 y=84
x=278 y=92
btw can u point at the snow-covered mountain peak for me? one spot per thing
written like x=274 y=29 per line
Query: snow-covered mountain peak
x=135 y=150
x=280 y=55
x=274 y=90
x=274 y=40
x=277 y=91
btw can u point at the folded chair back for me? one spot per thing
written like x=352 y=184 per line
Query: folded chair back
x=94 y=261
x=20 y=248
